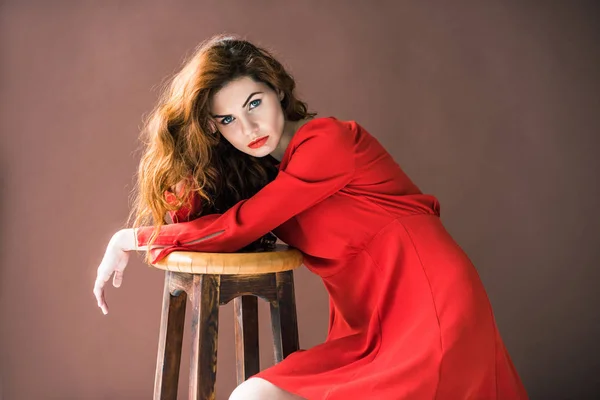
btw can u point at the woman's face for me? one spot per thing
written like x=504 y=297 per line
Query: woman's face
x=245 y=110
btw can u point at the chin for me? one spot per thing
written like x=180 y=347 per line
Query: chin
x=264 y=153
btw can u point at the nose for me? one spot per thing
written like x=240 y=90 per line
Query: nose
x=249 y=127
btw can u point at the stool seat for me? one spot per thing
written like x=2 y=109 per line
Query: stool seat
x=281 y=258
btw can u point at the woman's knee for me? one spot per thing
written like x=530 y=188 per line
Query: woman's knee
x=251 y=389
x=260 y=389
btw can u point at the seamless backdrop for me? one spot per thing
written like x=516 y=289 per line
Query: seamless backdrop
x=492 y=106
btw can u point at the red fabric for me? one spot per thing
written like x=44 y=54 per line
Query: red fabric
x=409 y=316
x=189 y=207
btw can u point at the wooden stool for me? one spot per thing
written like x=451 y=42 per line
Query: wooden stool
x=211 y=280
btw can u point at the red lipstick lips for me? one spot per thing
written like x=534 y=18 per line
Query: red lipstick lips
x=255 y=144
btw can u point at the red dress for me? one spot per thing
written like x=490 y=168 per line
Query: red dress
x=409 y=316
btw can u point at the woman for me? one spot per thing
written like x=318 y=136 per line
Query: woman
x=409 y=317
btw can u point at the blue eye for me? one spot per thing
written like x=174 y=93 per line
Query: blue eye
x=227 y=120
x=256 y=102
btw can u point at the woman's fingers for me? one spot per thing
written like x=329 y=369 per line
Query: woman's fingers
x=104 y=305
x=117 y=278
x=99 y=293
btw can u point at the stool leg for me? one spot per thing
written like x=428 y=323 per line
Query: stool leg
x=168 y=361
x=247 y=359
x=283 y=317
x=205 y=326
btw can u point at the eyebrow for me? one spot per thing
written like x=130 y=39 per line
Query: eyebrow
x=243 y=105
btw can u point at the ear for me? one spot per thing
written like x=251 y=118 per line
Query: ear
x=281 y=95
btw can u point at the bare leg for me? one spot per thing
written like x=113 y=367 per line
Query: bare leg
x=260 y=389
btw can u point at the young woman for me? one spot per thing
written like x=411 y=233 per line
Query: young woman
x=409 y=317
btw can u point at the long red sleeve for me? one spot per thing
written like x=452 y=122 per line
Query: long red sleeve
x=320 y=162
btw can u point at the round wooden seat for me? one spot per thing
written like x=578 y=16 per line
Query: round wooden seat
x=282 y=258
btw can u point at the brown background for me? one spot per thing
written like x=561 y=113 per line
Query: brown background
x=492 y=106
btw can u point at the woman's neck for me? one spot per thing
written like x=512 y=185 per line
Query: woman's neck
x=289 y=130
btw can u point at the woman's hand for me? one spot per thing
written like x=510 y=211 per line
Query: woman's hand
x=114 y=261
